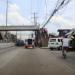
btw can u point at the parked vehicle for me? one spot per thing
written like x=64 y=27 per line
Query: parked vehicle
x=55 y=43
x=19 y=43
x=29 y=43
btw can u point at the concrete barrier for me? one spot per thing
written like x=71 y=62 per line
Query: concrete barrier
x=6 y=45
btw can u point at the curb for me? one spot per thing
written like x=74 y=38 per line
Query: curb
x=44 y=47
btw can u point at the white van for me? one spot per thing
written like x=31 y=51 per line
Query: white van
x=55 y=43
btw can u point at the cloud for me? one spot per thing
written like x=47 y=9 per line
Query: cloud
x=63 y=22
x=14 y=16
x=63 y=19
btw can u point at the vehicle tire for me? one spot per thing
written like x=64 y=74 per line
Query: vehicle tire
x=64 y=54
x=51 y=48
x=25 y=46
x=60 y=48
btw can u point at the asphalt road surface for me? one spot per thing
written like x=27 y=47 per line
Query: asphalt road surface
x=20 y=61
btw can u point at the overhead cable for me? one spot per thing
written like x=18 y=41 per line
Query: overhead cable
x=63 y=3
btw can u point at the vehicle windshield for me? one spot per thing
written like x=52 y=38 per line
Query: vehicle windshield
x=52 y=40
x=29 y=41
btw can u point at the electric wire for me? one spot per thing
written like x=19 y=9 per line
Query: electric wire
x=45 y=10
x=62 y=4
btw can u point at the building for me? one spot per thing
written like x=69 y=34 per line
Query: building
x=71 y=33
x=63 y=32
x=52 y=35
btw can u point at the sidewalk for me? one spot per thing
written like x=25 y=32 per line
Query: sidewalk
x=44 y=47
x=6 y=45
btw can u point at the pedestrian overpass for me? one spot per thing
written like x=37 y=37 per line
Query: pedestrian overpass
x=34 y=28
x=19 y=28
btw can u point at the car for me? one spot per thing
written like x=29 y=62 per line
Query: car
x=55 y=43
x=19 y=43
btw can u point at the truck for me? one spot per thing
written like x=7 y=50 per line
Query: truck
x=29 y=43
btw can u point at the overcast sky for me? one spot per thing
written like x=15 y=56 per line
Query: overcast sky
x=21 y=12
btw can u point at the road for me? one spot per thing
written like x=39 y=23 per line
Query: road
x=20 y=61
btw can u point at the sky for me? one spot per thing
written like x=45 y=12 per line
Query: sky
x=20 y=12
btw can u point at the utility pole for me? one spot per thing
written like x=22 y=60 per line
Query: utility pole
x=46 y=8
x=20 y=35
x=35 y=19
x=16 y=35
x=36 y=32
x=6 y=15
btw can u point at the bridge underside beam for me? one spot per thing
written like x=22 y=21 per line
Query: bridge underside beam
x=19 y=28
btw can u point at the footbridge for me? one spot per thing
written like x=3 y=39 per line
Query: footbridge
x=20 y=28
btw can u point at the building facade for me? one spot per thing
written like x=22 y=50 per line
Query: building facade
x=63 y=32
